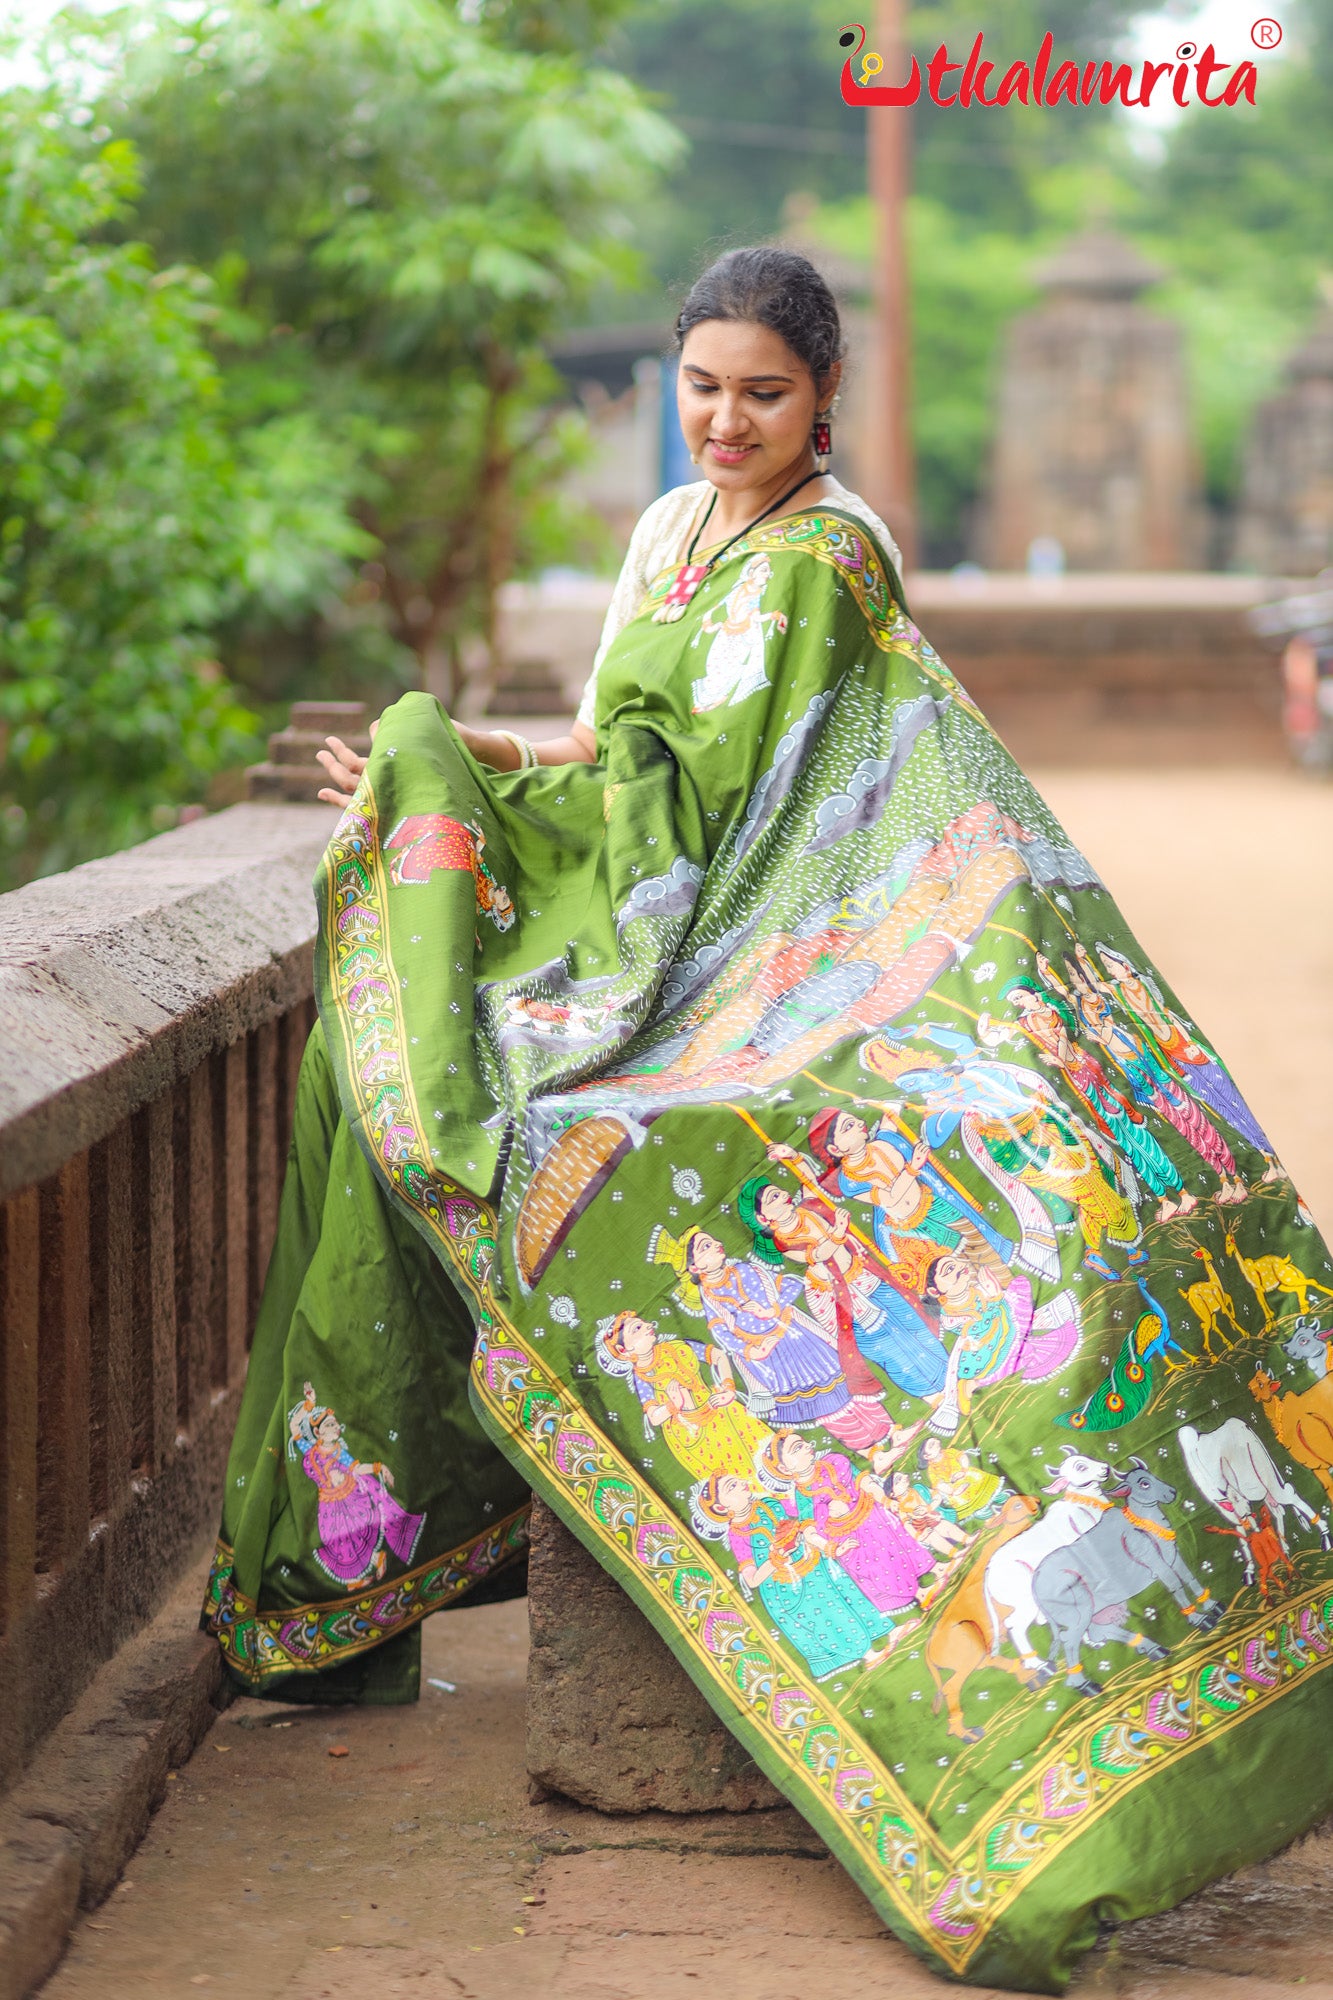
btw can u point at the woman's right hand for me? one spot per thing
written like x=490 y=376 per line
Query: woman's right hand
x=344 y=768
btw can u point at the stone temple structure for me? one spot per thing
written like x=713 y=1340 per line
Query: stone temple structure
x=1286 y=514
x=1093 y=448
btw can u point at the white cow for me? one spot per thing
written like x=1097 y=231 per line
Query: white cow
x=1008 y=1579
x=1233 y=1471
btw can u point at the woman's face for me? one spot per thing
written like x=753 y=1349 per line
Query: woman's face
x=328 y=1430
x=637 y=1335
x=848 y=1135
x=733 y=1494
x=747 y=404
x=706 y=1253
x=931 y=1450
x=952 y=1278
x=900 y=1485
x=776 y=1206
x=796 y=1456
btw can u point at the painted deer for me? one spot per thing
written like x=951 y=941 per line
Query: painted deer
x=1303 y=1422
x=1274 y=1274
x=960 y=1641
x=1209 y=1300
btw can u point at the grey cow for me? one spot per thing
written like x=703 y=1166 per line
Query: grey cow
x=1083 y=1591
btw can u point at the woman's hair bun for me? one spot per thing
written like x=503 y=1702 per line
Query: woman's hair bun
x=774 y=288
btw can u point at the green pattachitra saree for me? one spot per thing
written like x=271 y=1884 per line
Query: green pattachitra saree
x=769 y=1145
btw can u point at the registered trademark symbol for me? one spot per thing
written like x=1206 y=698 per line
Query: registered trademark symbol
x=1266 y=33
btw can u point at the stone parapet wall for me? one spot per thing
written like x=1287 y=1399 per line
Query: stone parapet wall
x=153 y=1009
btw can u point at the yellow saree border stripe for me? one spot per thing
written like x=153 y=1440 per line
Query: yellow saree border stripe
x=366 y=989
x=252 y=1640
x=951 y=1896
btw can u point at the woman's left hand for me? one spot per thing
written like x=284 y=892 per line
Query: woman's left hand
x=344 y=768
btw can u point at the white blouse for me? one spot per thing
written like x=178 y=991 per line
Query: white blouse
x=661 y=536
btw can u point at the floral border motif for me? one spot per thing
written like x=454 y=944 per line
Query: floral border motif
x=308 y=1637
x=950 y=1897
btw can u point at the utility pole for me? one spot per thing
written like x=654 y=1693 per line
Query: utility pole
x=889 y=158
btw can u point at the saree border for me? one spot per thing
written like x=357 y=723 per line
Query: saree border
x=305 y=1638
x=947 y=1897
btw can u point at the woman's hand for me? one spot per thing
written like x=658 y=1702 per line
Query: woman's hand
x=488 y=746
x=344 y=768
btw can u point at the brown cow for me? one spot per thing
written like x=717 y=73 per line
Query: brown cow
x=961 y=1640
x=1303 y=1422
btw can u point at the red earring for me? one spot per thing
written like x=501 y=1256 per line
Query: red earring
x=823 y=437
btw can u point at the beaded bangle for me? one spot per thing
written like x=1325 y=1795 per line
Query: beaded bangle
x=527 y=755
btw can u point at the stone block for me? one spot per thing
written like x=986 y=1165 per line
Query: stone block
x=102 y=1789
x=613 y=1721
x=40 y=1870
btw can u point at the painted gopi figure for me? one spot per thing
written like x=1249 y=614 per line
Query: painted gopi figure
x=779 y=887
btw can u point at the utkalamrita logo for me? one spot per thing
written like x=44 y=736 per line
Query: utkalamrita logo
x=951 y=83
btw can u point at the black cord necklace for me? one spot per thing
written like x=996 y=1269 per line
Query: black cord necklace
x=691 y=574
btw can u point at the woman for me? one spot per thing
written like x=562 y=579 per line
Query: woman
x=467 y=1203
x=852 y=1517
x=358 y=1514
x=997 y=1332
x=788 y=1363
x=1201 y=1073
x=708 y=1430
x=848 y=1291
x=812 y=1601
x=916 y=1214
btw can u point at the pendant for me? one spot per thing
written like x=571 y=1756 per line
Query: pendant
x=683 y=586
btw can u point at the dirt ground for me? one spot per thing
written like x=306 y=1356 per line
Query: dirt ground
x=410 y=1866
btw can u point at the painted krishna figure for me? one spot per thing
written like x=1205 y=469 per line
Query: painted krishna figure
x=748 y=1123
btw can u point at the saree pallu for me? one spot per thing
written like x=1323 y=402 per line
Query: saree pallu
x=804 y=926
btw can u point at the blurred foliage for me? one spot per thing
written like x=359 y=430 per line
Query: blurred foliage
x=274 y=285
x=127 y=520
x=396 y=206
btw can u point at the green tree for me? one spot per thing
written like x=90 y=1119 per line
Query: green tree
x=125 y=515
x=397 y=206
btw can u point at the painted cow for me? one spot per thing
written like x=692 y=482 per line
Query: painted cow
x=1233 y=1470
x=1083 y=1592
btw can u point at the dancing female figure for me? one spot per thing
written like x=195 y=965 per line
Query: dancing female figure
x=707 y=1428
x=788 y=1363
x=850 y=1513
x=819 y=1610
x=357 y=1513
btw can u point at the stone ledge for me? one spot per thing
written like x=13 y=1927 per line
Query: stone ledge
x=121 y=976
x=639 y=1739
x=84 y=1803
